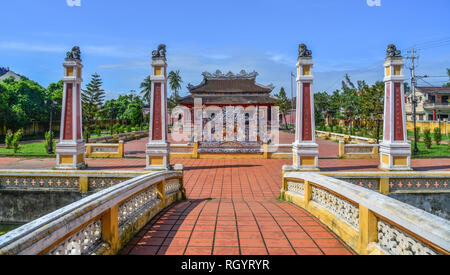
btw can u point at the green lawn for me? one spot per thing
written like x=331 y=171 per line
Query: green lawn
x=411 y=134
x=441 y=150
x=33 y=149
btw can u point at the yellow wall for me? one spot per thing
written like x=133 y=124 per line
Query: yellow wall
x=445 y=127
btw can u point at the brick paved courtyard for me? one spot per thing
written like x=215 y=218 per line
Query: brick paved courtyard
x=232 y=209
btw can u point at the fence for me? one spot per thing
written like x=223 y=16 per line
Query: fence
x=102 y=223
x=369 y=222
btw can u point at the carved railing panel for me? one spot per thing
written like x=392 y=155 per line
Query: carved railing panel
x=397 y=242
x=296 y=187
x=136 y=205
x=82 y=242
x=338 y=206
x=172 y=186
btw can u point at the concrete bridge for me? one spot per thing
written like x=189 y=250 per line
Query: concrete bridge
x=232 y=208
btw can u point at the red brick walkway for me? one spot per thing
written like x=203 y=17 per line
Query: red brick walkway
x=232 y=210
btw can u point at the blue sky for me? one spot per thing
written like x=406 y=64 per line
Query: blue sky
x=117 y=37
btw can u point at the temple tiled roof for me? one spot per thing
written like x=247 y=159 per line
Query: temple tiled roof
x=219 y=83
x=230 y=100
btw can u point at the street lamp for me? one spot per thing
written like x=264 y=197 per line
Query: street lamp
x=50 y=143
x=112 y=114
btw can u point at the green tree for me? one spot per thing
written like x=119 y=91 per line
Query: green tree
x=21 y=102
x=92 y=98
x=284 y=104
x=146 y=87
x=427 y=138
x=322 y=102
x=437 y=135
x=175 y=81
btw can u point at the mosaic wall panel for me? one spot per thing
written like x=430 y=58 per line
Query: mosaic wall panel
x=372 y=184
x=296 y=187
x=41 y=182
x=136 y=206
x=336 y=205
x=407 y=184
x=82 y=242
x=102 y=183
x=397 y=242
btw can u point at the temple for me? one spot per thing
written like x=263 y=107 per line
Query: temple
x=225 y=109
x=230 y=89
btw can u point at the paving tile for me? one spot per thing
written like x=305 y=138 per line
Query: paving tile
x=226 y=250
x=198 y=250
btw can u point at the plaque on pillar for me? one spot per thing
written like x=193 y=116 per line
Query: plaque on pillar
x=305 y=149
x=71 y=147
x=395 y=150
x=158 y=147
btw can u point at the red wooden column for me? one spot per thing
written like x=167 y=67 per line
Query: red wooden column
x=71 y=147
x=395 y=151
x=305 y=148
x=158 y=147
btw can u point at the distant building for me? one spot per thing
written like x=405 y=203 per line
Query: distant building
x=5 y=72
x=432 y=104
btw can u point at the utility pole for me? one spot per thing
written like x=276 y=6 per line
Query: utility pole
x=292 y=95
x=414 y=101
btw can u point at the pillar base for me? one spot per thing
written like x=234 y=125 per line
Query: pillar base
x=70 y=156
x=158 y=156
x=306 y=157
x=395 y=157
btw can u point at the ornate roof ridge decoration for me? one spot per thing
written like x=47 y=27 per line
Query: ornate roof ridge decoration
x=392 y=51
x=74 y=54
x=303 y=51
x=160 y=52
x=218 y=75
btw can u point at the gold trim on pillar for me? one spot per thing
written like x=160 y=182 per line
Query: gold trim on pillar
x=385 y=159
x=66 y=159
x=156 y=160
x=69 y=71
x=307 y=161
x=400 y=161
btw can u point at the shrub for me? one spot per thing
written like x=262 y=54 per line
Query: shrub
x=129 y=128
x=418 y=133
x=116 y=128
x=437 y=135
x=48 y=142
x=98 y=131
x=16 y=140
x=427 y=138
x=8 y=139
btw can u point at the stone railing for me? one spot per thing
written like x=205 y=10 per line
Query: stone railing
x=397 y=182
x=345 y=138
x=358 y=151
x=119 y=137
x=102 y=223
x=261 y=151
x=83 y=181
x=369 y=222
x=105 y=150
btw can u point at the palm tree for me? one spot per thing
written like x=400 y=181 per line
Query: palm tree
x=146 y=87
x=175 y=85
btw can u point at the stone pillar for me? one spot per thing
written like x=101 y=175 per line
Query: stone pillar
x=305 y=148
x=395 y=151
x=158 y=147
x=71 y=148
